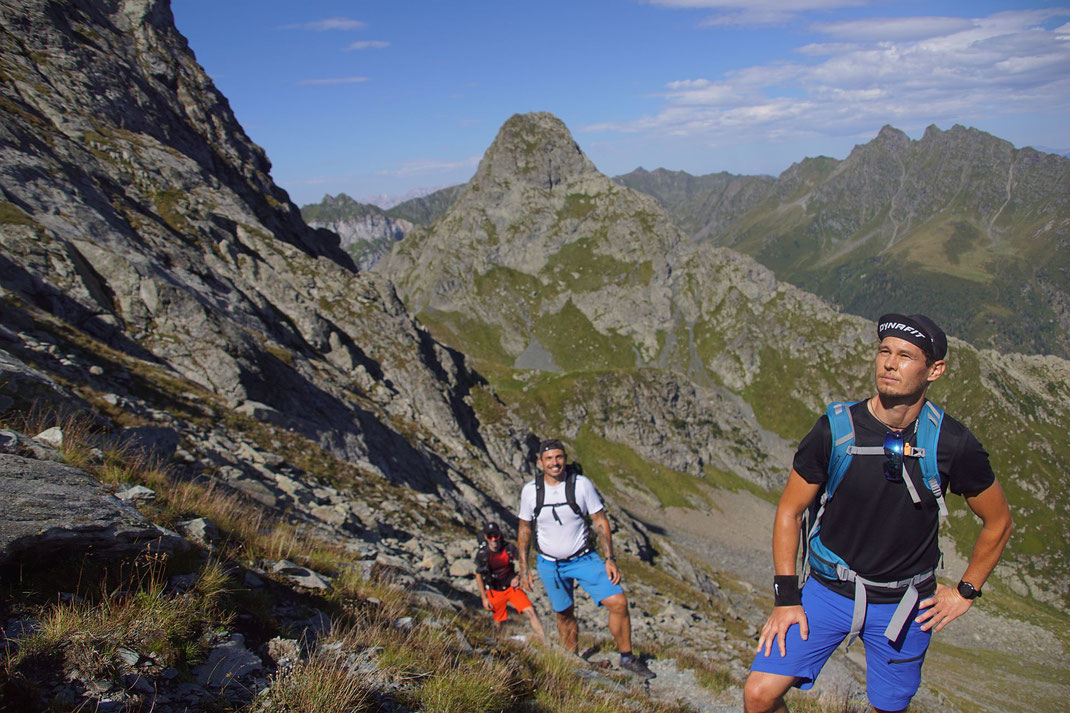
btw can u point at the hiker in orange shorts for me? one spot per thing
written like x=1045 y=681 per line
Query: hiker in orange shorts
x=498 y=581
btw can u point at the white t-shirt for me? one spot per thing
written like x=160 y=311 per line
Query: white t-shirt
x=567 y=537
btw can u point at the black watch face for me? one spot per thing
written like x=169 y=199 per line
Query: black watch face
x=967 y=591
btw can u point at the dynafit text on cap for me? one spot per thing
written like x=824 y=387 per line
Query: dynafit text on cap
x=491 y=529
x=917 y=329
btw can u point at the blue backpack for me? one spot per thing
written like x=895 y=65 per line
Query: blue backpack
x=816 y=555
x=819 y=558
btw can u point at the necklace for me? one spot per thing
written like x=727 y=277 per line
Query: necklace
x=890 y=427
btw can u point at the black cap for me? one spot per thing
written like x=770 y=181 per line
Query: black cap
x=551 y=444
x=916 y=329
x=492 y=529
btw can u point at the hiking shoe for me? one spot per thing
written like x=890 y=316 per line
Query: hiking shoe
x=636 y=667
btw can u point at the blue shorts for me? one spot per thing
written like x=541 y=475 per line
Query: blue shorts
x=560 y=578
x=893 y=670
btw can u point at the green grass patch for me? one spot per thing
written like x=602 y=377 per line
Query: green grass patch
x=477 y=339
x=577 y=346
x=577 y=207
x=167 y=207
x=711 y=676
x=606 y=462
x=733 y=483
x=11 y=214
x=579 y=267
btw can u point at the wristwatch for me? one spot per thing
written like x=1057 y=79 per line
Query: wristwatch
x=968 y=591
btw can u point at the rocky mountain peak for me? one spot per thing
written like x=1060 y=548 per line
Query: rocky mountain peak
x=536 y=206
x=536 y=149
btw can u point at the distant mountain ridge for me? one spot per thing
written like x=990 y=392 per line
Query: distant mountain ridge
x=981 y=228
x=701 y=205
x=366 y=231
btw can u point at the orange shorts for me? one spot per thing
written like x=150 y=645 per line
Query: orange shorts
x=512 y=595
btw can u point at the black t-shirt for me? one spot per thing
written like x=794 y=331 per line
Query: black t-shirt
x=496 y=568
x=871 y=522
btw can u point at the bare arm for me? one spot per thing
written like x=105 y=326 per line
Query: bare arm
x=797 y=496
x=601 y=526
x=523 y=541
x=482 y=591
x=946 y=604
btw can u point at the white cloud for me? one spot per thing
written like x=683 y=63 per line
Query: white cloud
x=756 y=12
x=332 y=80
x=331 y=23
x=366 y=45
x=427 y=166
x=894 y=29
x=922 y=70
x=773 y=5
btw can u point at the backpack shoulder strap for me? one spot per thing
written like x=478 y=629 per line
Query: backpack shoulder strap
x=930 y=420
x=540 y=494
x=843 y=440
x=842 y=448
x=570 y=491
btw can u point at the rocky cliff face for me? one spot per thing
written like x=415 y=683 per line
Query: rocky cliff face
x=140 y=232
x=137 y=211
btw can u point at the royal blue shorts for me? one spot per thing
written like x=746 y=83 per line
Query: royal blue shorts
x=561 y=577
x=893 y=670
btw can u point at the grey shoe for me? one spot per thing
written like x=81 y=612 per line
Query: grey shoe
x=635 y=666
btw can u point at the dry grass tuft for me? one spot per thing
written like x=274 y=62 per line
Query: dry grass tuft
x=478 y=686
x=319 y=685
x=831 y=702
x=711 y=676
x=141 y=617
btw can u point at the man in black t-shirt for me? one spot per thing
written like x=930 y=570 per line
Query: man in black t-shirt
x=884 y=532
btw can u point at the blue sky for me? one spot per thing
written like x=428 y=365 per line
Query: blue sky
x=381 y=97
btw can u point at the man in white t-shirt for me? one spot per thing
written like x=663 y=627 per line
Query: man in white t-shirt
x=565 y=556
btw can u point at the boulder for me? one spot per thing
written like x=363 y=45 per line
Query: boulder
x=51 y=508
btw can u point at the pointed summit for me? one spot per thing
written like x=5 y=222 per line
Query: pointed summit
x=536 y=149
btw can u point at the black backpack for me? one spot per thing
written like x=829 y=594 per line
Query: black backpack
x=571 y=471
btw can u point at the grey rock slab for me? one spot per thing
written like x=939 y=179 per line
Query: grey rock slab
x=49 y=507
x=135 y=493
x=301 y=576
x=226 y=663
x=200 y=530
x=462 y=568
x=51 y=437
x=155 y=443
x=431 y=598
